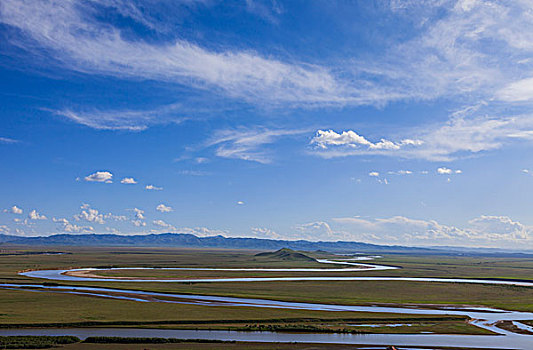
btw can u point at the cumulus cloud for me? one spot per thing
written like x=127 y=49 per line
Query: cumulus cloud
x=240 y=203
x=89 y=214
x=462 y=135
x=138 y=223
x=67 y=226
x=373 y=174
x=14 y=210
x=163 y=208
x=34 y=215
x=153 y=188
x=128 y=181
x=95 y=216
x=100 y=176
x=139 y=214
x=447 y=171
x=324 y=139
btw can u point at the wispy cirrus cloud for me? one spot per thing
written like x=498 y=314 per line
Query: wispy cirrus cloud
x=7 y=140
x=446 y=52
x=129 y=120
x=82 y=43
x=248 y=144
x=446 y=55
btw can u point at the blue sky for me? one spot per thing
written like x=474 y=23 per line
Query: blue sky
x=391 y=122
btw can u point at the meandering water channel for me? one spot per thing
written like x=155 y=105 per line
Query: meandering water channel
x=482 y=317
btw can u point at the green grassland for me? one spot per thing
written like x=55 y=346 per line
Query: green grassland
x=31 y=308
x=73 y=343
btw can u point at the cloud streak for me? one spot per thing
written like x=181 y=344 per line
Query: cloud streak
x=246 y=144
x=82 y=43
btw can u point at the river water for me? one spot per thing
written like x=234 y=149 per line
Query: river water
x=481 y=317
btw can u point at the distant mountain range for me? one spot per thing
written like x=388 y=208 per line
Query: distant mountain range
x=192 y=241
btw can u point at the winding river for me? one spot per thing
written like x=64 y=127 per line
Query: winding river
x=481 y=317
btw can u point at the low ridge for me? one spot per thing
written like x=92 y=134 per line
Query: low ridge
x=286 y=254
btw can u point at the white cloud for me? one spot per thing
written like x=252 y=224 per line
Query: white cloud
x=373 y=174
x=400 y=172
x=203 y=231
x=115 y=217
x=447 y=171
x=444 y=171
x=130 y=120
x=194 y=172
x=165 y=225
x=446 y=54
x=100 y=176
x=459 y=137
x=324 y=139
x=163 y=208
x=34 y=215
x=484 y=231
x=74 y=38
x=138 y=223
x=89 y=214
x=5 y=230
x=247 y=144
x=315 y=231
x=517 y=91
x=14 y=210
x=66 y=226
x=139 y=214
x=128 y=180
x=7 y=140
x=265 y=233
x=240 y=203
x=153 y=188
x=138 y=217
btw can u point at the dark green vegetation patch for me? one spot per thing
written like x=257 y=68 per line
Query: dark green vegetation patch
x=36 y=342
x=146 y=340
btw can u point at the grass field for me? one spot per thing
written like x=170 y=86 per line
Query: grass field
x=73 y=343
x=30 y=308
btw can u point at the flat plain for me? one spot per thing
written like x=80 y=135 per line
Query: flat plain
x=28 y=308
